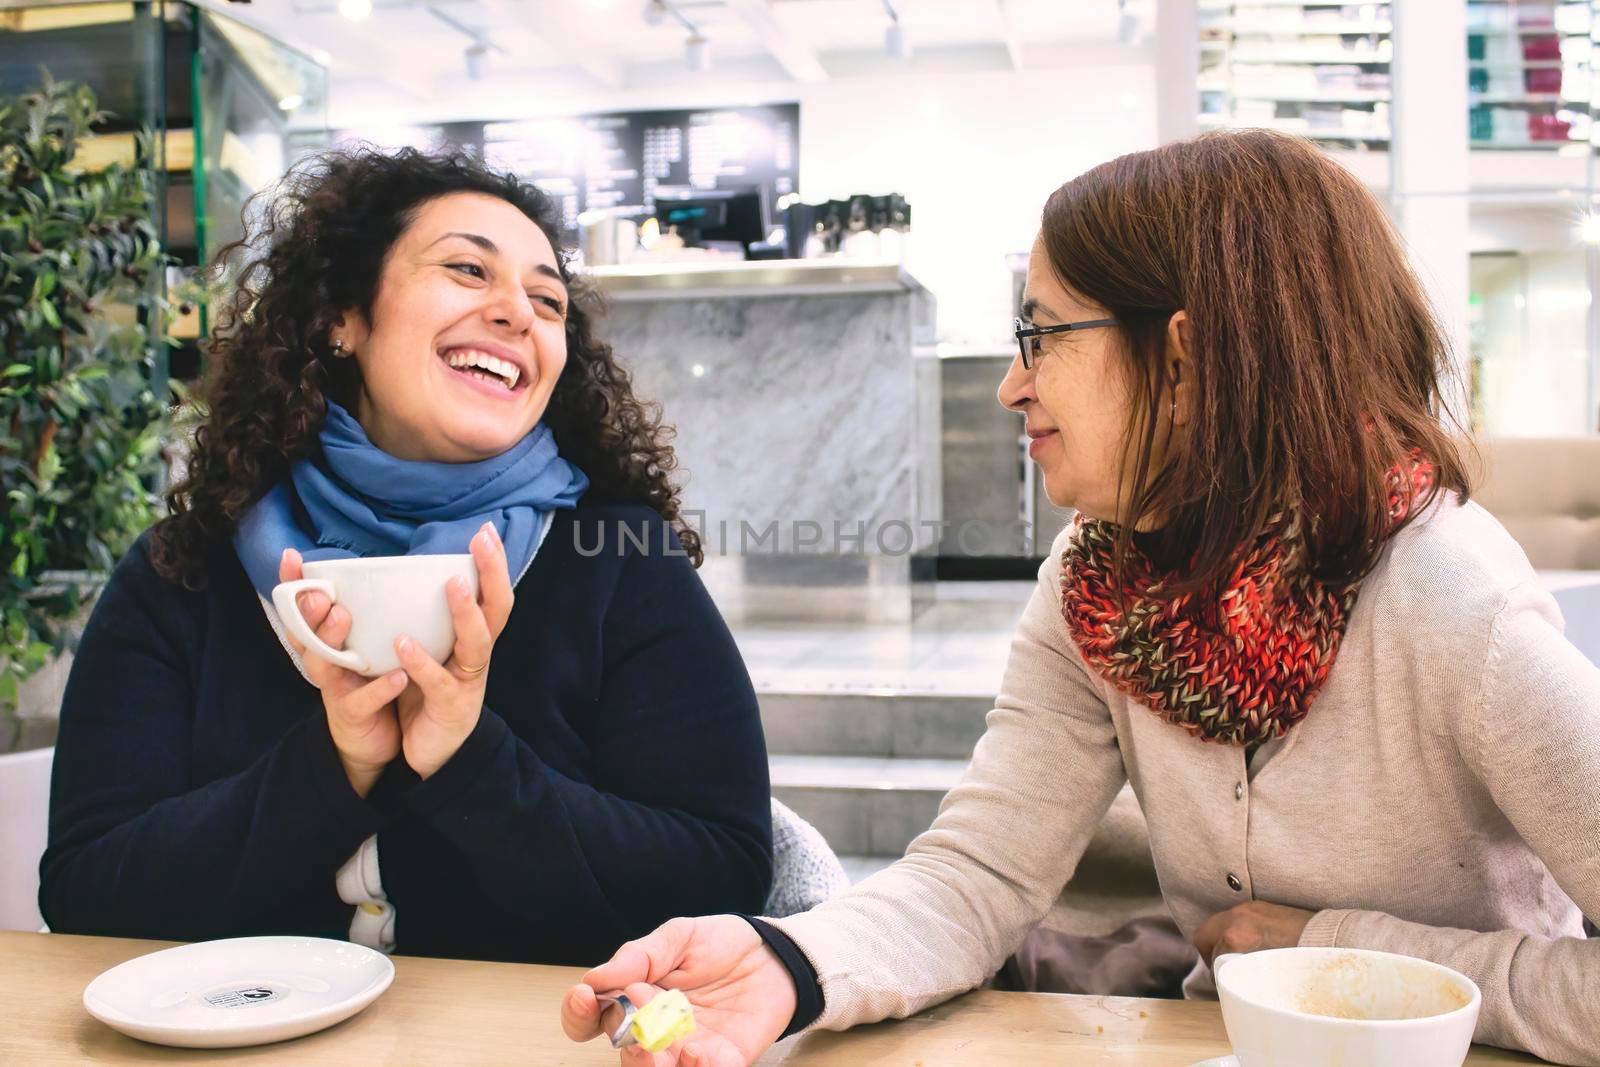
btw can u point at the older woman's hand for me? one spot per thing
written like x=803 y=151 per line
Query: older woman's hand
x=361 y=712
x=440 y=707
x=1250 y=927
x=742 y=996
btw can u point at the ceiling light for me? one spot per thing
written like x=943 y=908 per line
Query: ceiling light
x=1127 y=24
x=697 y=53
x=355 y=10
x=290 y=102
x=477 y=60
x=895 y=41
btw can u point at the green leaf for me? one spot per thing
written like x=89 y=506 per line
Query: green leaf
x=80 y=501
x=49 y=466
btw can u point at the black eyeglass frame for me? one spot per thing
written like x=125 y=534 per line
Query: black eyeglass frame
x=1028 y=333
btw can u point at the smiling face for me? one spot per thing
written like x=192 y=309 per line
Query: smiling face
x=467 y=335
x=1075 y=399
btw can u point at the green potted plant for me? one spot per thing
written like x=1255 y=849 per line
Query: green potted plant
x=82 y=396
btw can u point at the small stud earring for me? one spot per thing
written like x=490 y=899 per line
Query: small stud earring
x=339 y=350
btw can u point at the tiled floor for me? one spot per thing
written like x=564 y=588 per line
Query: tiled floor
x=956 y=646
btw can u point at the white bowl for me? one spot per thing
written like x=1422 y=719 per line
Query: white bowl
x=1330 y=1007
x=241 y=991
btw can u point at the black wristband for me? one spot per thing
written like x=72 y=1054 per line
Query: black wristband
x=808 y=1002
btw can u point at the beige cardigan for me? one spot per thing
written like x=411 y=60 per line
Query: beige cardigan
x=1441 y=799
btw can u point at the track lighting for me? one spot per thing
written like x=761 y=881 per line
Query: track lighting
x=697 y=52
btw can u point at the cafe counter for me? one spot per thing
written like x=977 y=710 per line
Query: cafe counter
x=805 y=396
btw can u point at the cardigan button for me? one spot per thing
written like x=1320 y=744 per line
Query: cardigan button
x=1238 y=791
x=1234 y=883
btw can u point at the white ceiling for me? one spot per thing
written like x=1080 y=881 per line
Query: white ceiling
x=413 y=51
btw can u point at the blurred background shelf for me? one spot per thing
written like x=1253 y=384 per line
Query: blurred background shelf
x=1303 y=68
x=1516 y=64
x=1523 y=146
x=1311 y=97
x=1529 y=73
x=104 y=149
x=1247 y=53
x=1517 y=31
x=1312 y=28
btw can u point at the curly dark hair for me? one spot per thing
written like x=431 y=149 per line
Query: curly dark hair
x=317 y=250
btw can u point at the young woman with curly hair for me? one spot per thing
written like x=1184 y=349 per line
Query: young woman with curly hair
x=1336 y=686
x=407 y=365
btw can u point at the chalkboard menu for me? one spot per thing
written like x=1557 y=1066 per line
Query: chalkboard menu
x=624 y=159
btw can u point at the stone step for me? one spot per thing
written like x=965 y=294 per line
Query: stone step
x=860 y=868
x=865 y=806
x=883 y=723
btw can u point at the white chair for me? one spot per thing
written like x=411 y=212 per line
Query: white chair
x=805 y=872
x=24 y=824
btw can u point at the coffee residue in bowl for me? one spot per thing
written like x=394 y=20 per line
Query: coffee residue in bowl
x=1345 y=988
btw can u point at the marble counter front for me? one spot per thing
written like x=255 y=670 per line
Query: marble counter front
x=806 y=405
x=765 y=278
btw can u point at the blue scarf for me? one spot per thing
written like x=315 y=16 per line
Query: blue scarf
x=354 y=499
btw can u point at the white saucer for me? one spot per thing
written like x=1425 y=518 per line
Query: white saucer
x=242 y=991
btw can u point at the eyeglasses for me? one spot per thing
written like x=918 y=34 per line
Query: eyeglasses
x=1028 y=336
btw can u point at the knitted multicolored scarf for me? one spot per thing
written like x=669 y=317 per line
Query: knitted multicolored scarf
x=1249 y=676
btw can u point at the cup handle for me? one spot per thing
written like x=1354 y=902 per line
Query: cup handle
x=283 y=598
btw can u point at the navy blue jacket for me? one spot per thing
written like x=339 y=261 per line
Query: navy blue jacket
x=617 y=777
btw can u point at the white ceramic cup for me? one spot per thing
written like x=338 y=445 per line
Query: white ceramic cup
x=1333 y=1007
x=386 y=596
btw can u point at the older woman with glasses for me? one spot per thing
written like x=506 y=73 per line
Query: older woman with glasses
x=1336 y=685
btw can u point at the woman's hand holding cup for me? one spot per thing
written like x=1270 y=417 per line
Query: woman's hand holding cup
x=362 y=717
x=440 y=708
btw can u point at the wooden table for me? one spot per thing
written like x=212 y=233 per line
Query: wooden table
x=464 y=1012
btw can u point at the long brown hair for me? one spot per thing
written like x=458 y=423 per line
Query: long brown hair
x=1318 y=363
x=318 y=249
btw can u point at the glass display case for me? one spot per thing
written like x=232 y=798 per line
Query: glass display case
x=222 y=101
x=255 y=98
